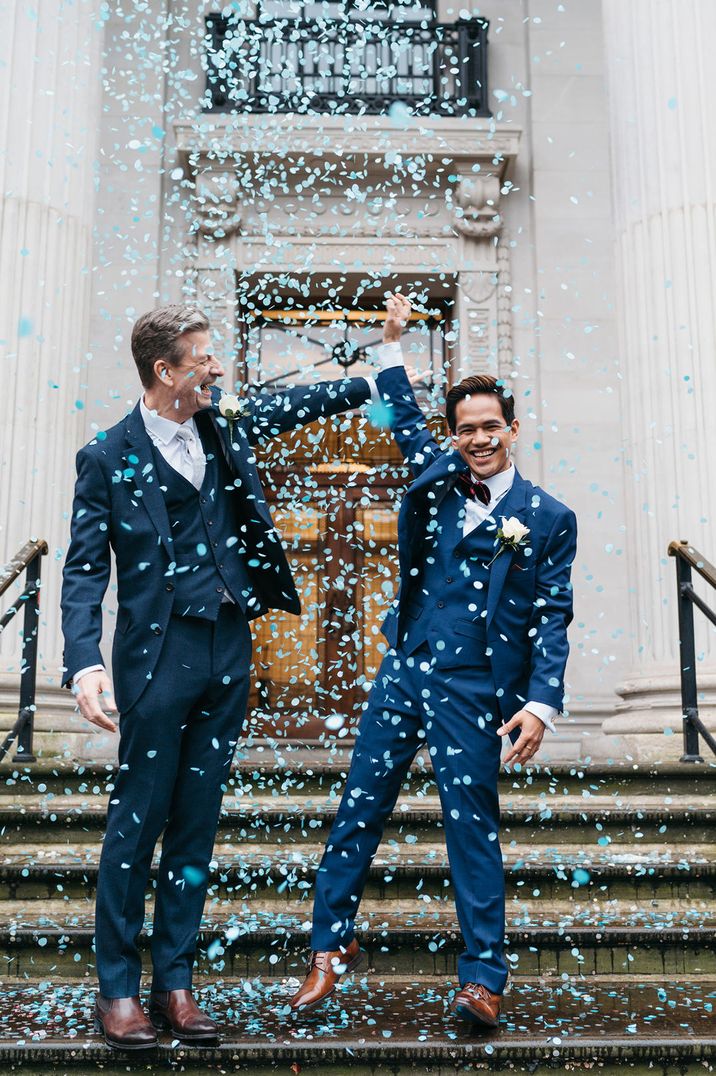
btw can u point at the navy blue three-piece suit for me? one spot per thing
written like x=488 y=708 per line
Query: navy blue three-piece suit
x=193 y=568
x=473 y=636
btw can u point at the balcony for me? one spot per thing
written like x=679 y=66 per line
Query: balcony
x=337 y=67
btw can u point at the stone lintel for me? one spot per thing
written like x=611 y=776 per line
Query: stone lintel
x=474 y=155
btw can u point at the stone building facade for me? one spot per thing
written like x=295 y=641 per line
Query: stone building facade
x=567 y=236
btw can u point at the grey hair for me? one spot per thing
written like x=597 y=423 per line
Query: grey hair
x=158 y=335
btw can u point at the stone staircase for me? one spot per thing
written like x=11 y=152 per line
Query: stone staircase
x=611 y=915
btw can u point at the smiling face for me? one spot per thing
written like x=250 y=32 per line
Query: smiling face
x=186 y=388
x=482 y=436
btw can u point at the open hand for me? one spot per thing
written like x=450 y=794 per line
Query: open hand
x=94 y=695
x=529 y=740
x=415 y=377
x=397 y=309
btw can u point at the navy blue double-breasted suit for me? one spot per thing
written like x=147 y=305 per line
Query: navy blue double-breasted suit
x=193 y=567
x=473 y=636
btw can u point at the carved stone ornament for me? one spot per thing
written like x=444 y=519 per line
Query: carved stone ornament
x=476 y=206
x=216 y=200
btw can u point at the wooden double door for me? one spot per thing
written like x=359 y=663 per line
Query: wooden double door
x=338 y=522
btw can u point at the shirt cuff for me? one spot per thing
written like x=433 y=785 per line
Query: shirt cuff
x=375 y=397
x=545 y=713
x=390 y=355
x=87 y=669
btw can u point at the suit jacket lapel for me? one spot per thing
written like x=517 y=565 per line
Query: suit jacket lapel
x=513 y=504
x=239 y=465
x=222 y=437
x=438 y=479
x=141 y=458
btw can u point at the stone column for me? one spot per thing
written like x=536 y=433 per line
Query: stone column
x=662 y=115
x=484 y=278
x=50 y=78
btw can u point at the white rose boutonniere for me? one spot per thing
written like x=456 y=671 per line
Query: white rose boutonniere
x=232 y=407
x=511 y=535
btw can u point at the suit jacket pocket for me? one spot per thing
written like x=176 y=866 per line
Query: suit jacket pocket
x=414 y=609
x=472 y=629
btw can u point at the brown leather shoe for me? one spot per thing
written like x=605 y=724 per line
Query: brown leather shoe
x=324 y=971
x=176 y=1011
x=478 y=1004
x=123 y=1023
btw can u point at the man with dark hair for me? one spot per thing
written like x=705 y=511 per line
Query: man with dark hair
x=478 y=648
x=174 y=492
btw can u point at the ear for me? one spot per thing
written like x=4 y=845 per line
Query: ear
x=515 y=428
x=163 y=372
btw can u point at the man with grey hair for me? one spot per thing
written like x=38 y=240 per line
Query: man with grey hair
x=174 y=492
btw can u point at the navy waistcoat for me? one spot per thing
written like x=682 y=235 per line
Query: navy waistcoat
x=451 y=589
x=209 y=556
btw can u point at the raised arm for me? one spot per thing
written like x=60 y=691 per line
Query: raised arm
x=271 y=414
x=407 y=422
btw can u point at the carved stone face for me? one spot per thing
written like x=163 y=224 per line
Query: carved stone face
x=477 y=199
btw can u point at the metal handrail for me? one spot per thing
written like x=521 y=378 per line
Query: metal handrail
x=687 y=560
x=28 y=560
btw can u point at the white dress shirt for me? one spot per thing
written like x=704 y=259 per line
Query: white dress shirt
x=178 y=442
x=476 y=512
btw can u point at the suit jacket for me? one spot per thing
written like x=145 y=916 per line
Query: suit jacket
x=119 y=507
x=529 y=599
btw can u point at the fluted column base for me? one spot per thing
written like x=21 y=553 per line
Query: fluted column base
x=647 y=724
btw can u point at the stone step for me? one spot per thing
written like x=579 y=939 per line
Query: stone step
x=383 y=1024
x=241 y=870
x=413 y=940
x=278 y=770
x=51 y=817
x=564 y=915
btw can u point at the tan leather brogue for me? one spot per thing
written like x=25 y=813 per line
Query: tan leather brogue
x=123 y=1023
x=324 y=971
x=176 y=1011
x=478 y=1005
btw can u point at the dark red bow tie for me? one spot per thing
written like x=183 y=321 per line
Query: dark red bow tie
x=473 y=487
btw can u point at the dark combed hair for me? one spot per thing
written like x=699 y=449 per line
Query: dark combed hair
x=479 y=384
x=158 y=335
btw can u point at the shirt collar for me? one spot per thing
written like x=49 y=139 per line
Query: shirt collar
x=163 y=429
x=499 y=484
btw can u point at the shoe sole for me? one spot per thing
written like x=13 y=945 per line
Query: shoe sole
x=99 y=1028
x=471 y=1017
x=162 y=1024
x=355 y=963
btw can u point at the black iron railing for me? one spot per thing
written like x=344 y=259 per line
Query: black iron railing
x=327 y=66
x=27 y=560
x=689 y=559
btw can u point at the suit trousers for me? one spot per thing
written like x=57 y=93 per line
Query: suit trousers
x=454 y=711
x=175 y=751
